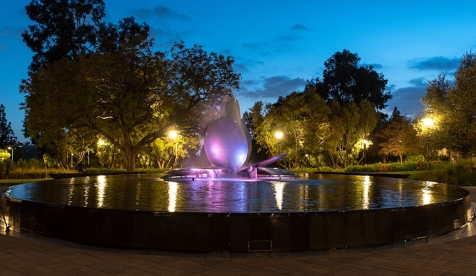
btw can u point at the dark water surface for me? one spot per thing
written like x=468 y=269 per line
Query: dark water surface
x=149 y=192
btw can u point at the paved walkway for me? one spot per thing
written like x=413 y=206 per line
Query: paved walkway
x=452 y=254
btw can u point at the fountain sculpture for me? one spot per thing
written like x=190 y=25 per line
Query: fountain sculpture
x=227 y=145
x=235 y=214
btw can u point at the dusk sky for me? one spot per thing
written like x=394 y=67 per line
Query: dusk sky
x=279 y=45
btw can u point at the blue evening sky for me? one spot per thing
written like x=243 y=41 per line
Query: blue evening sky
x=278 y=45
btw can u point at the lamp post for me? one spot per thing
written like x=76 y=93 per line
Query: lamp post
x=173 y=135
x=428 y=123
x=365 y=143
x=11 y=148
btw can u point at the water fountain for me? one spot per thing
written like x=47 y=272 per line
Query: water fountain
x=255 y=210
x=227 y=145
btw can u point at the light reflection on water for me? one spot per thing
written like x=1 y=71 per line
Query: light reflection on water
x=321 y=193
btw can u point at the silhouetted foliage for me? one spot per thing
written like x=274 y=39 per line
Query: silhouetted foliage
x=7 y=136
x=345 y=81
x=63 y=29
x=91 y=79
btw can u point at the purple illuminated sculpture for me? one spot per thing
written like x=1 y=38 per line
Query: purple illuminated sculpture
x=227 y=140
x=227 y=144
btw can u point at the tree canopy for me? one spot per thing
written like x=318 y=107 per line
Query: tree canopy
x=451 y=107
x=345 y=81
x=7 y=136
x=63 y=29
x=123 y=91
x=398 y=135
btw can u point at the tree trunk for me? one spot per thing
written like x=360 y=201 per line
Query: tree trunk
x=130 y=159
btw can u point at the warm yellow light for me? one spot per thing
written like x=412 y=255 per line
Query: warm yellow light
x=428 y=122
x=101 y=142
x=173 y=134
x=279 y=134
x=365 y=142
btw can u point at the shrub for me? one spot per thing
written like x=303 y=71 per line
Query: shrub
x=453 y=174
x=402 y=167
x=9 y=166
x=362 y=168
x=326 y=169
x=3 y=169
x=35 y=164
x=27 y=174
x=414 y=158
x=103 y=170
x=22 y=164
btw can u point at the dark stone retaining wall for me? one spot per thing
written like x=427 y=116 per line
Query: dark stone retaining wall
x=235 y=232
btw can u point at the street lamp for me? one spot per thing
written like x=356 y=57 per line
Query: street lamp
x=428 y=123
x=173 y=135
x=101 y=142
x=365 y=143
x=278 y=134
x=11 y=148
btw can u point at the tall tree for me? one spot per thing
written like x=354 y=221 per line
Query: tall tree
x=351 y=124
x=64 y=28
x=105 y=78
x=345 y=81
x=451 y=106
x=131 y=96
x=303 y=118
x=399 y=136
x=7 y=136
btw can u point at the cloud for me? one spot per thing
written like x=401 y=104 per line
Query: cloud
x=288 y=37
x=240 y=67
x=374 y=65
x=435 y=63
x=272 y=87
x=418 y=82
x=391 y=87
x=407 y=100
x=255 y=45
x=299 y=27
x=160 y=13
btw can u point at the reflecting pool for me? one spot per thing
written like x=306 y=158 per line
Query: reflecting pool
x=319 y=192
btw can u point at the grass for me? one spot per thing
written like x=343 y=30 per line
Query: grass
x=21 y=181
x=5 y=183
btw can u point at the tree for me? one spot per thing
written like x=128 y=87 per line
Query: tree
x=106 y=79
x=252 y=119
x=63 y=29
x=131 y=96
x=399 y=136
x=451 y=106
x=345 y=81
x=351 y=124
x=66 y=28
x=7 y=136
x=303 y=118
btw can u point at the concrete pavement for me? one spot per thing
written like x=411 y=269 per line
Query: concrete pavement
x=31 y=254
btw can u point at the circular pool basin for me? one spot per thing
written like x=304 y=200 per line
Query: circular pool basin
x=236 y=215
